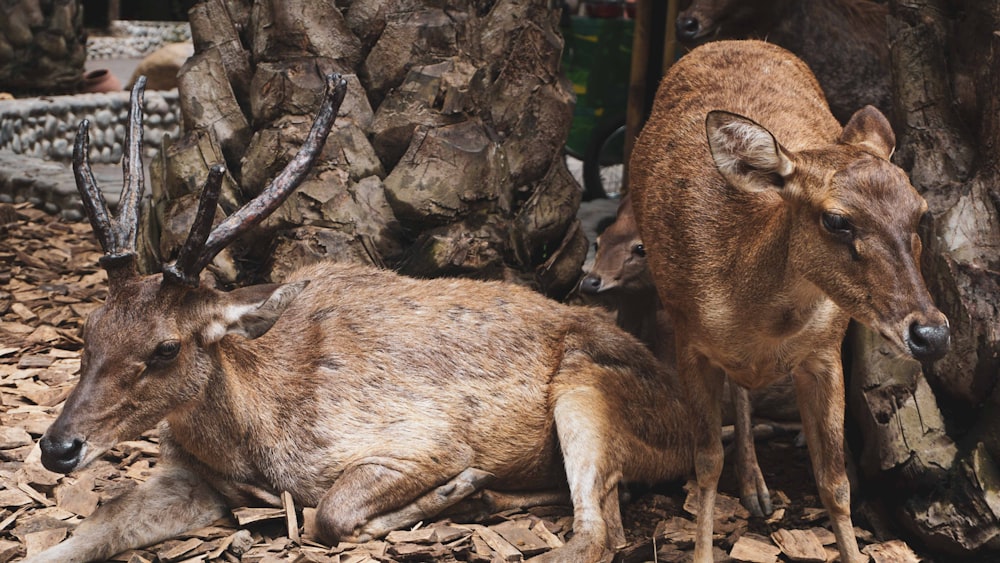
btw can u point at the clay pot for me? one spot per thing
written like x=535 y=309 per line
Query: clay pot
x=100 y=80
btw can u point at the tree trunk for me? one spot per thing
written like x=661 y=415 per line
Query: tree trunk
x=934 y=455
x=43 y=47
x=446 y=158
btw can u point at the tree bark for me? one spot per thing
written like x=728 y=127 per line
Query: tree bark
x=932 y=454
x=446 y=158
x=43 y=47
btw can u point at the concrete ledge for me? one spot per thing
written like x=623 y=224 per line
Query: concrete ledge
x=50 y=185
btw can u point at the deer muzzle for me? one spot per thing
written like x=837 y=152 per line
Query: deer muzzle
x=62 y=454
x=928 y=342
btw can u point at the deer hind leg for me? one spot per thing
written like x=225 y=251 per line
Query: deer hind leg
x=173 y=501
x=754 y=494
x=581 y=418
x=369 y=500
x=819 y=389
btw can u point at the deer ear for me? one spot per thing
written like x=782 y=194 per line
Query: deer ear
x=870 y=130
x=746 y=154
x=252 y=311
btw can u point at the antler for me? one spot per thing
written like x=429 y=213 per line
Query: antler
x=203 y=242
x=117 y=236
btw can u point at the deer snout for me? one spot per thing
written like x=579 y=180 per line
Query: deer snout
x=688 y=27
x=928 y=340
x=62 y=454
x=591 y=284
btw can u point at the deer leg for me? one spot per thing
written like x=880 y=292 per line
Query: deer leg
x=754 y=494
x=369 y=500
x=581 y=420
x=486 y=502
x=174 y=500
x=819 y=388
x=703 y=385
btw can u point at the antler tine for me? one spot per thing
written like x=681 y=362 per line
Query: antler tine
x=177 y=271
x=254 y=211
x=93 y=200
x=117 y=236
x=128 y=205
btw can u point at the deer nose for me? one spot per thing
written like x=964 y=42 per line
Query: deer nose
x=61 y=455
x=928 y=342
x=688 y=27
x=590 y=284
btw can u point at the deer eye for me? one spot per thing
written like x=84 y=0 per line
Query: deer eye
x=639 y=250
x=166 y=351
x=838 y=225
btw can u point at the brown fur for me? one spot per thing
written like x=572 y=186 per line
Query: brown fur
x=620 y=279
x=373 y=397
x=734 y=207
x=844 y=42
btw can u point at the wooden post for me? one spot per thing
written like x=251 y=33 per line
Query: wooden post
x=636 y=103
x=642 y=44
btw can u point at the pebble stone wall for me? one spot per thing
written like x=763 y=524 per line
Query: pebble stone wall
x=46 y=127
x=135 y=39
x=37 y=134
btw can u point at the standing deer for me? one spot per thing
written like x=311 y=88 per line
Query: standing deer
x=768 y=226
x=621 y=277
x=378 y=399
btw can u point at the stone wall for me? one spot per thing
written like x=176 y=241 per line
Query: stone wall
x=46 y=127
x=135 y=39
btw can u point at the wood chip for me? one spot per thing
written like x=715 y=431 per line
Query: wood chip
x=14 y=437
x=502 y=547
x=422 y=535
x=78 y=497
x=35 y=495
x=726 y=507
x=24 y=312
x=754 y=549
x=8 y=550
x=246 y=516
x=36 y=542
x=180 y=549
x=894 y=551
x=799 y=545
x=14 y=498
x=813 y=514
x=825 y=537
x=518 y=535
x=33 y=361
x=677 y=530
x=291 y=520
x=550 y=539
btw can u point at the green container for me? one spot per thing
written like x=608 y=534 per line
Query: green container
x=597 y=60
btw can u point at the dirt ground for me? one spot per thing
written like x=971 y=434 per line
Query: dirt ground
x=50 y=282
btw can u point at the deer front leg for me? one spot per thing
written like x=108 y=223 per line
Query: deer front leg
x=173 y=501
x=819 y=388
x=373 y=498
x=703 y=386
x=754 y=495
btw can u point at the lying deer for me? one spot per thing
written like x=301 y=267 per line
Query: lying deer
x=378 y=399
x=768 y=226
x=621 y=277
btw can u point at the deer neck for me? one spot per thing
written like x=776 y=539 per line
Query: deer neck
x=237 y=401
